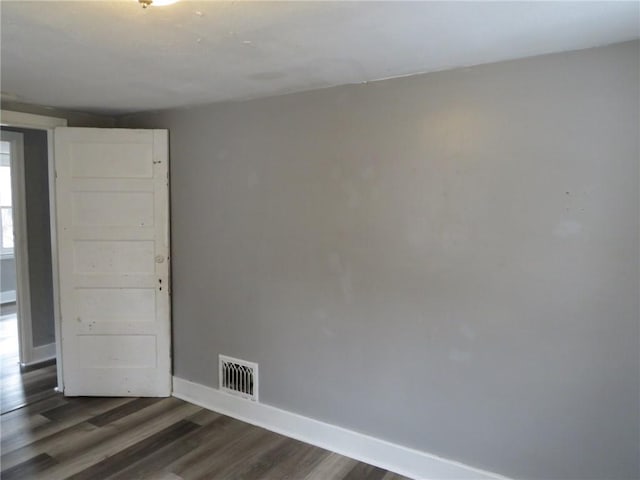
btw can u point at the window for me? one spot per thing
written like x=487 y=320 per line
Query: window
x=6 y=211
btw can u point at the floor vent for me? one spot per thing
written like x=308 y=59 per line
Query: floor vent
x=238 y=377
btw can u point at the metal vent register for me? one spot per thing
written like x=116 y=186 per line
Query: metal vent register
x=238 y=377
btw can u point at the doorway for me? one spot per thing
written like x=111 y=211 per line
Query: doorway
x=27 y=323
x=9 y=338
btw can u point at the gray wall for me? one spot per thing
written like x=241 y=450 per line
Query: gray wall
x=7 y=274
x=38 y=233
x=446 y=261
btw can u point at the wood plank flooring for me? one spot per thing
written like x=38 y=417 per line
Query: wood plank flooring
x=20 y=386
x=140 y=438
x=54 y=437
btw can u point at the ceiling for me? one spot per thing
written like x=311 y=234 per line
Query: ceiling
x=115 y=57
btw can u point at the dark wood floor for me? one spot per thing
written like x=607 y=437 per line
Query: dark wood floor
x=20 y=386
x=52 y=437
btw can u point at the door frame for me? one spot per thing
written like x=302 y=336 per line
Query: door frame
x=40 y=122
x=20 y=247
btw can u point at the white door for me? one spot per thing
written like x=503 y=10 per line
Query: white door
x=113 y=247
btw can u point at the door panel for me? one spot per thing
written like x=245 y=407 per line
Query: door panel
x=112 y=209
x=105 y=305
x=114 y=256
x=113 y=242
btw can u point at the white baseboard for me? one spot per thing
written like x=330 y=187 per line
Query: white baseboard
x=39 y=354
x=8 y=296
x=390 y=456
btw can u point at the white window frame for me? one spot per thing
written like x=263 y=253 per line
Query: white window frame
x=6 y=252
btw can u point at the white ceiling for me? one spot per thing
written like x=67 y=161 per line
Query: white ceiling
x=114 y=57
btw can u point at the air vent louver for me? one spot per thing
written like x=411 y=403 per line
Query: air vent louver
x=238 y=377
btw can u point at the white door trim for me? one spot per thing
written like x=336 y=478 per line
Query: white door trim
x=41 y=122
x=20 y=247
x=28 y=120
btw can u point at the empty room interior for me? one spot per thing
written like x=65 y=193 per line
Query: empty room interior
x=320 y=240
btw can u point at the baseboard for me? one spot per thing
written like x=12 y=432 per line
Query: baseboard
x=8 y=296
x=40 y=354
x=396 y=458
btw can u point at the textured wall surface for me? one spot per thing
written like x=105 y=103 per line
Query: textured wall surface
x=446 y=261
